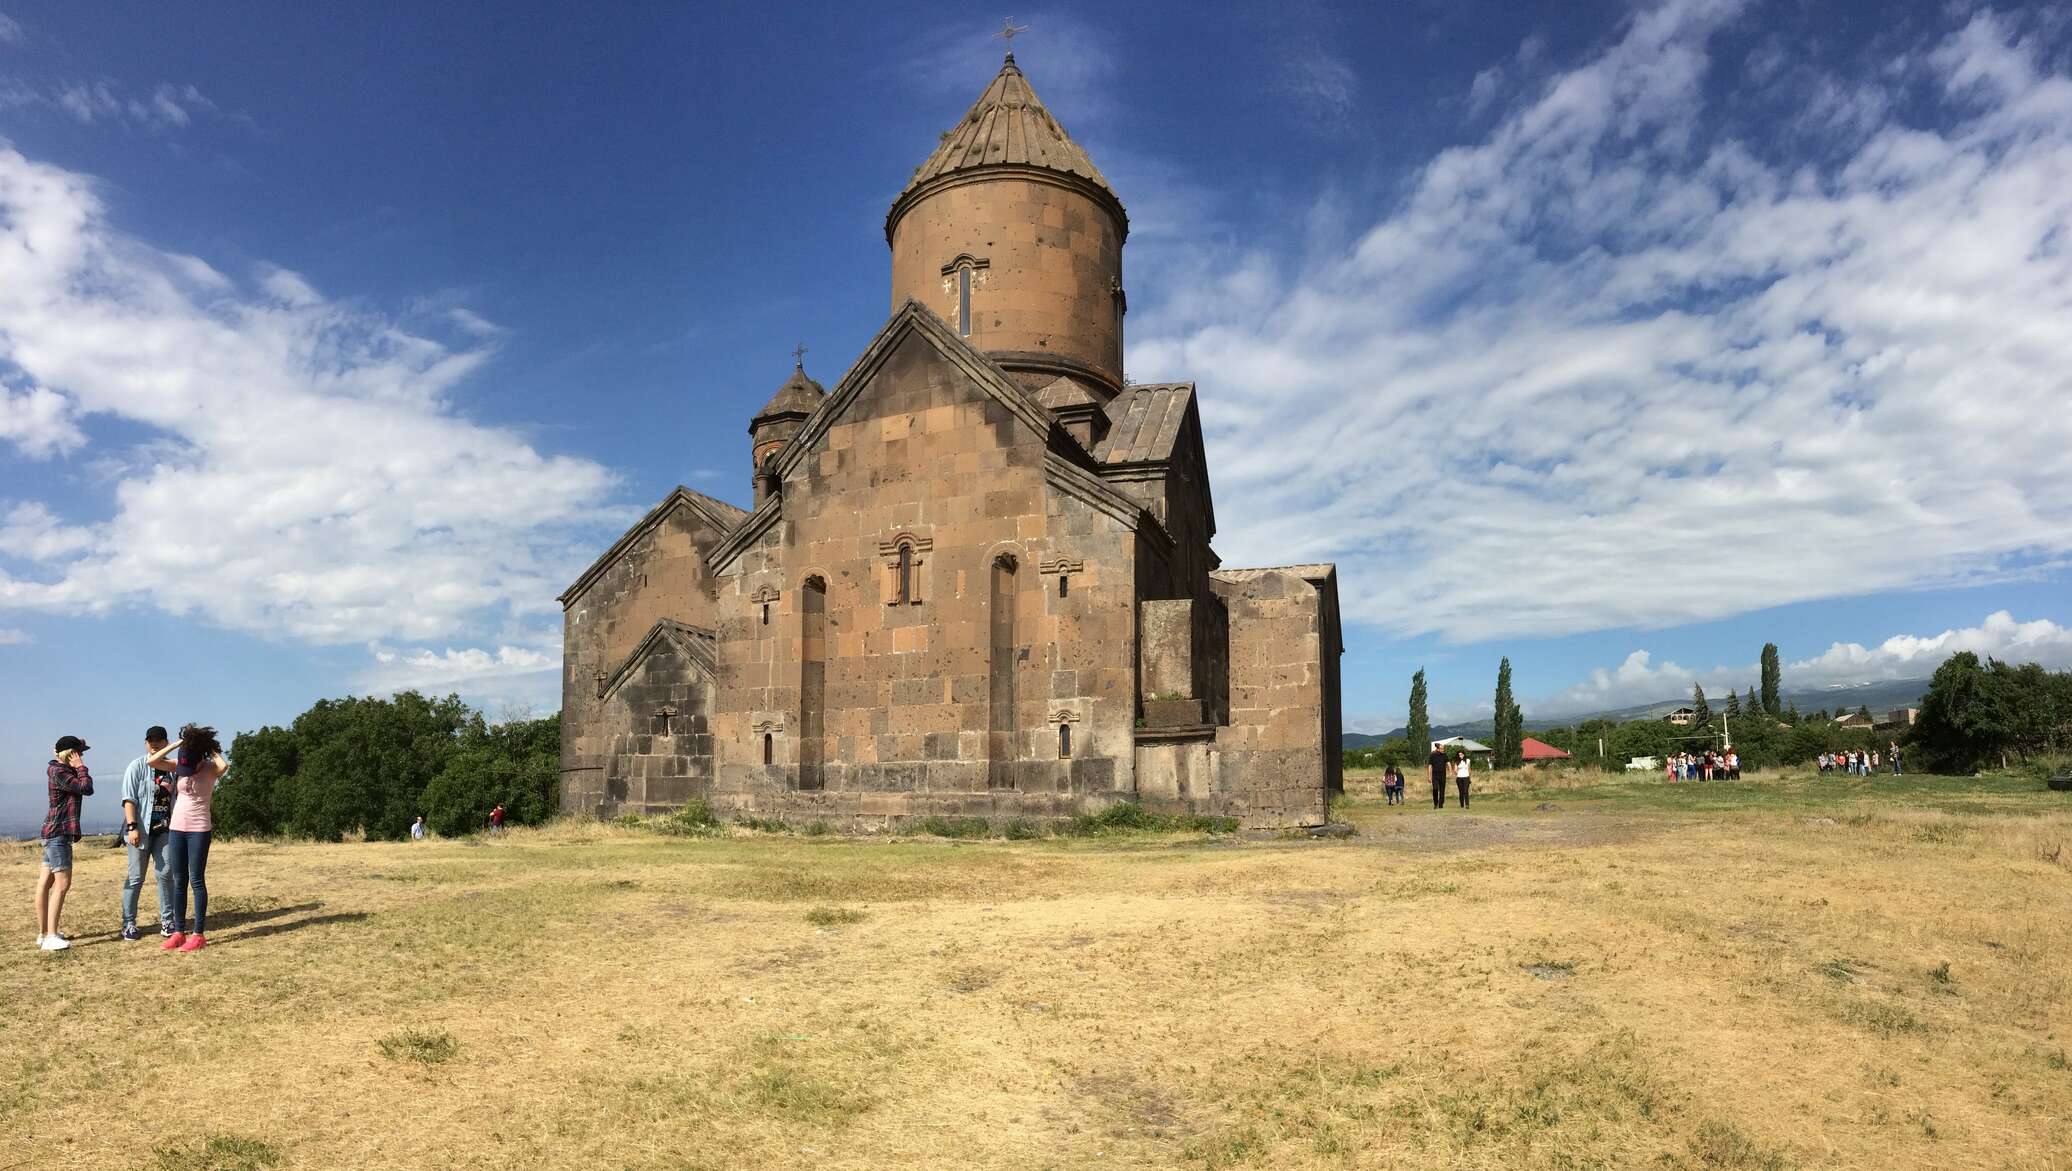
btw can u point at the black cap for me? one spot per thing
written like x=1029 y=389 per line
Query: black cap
x=156 y=732
x=68 y=743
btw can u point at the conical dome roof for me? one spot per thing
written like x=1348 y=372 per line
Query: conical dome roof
x=799 y=395
x=1007 y=127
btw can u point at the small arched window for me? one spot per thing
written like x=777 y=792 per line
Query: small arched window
x=769 y=748
x=766 y=613
x=1064 y=584
x=906 y=572
x=1064 y=741
x=964 y=301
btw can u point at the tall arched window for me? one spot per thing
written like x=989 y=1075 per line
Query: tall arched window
x=812 y=683
x=906 y=572
x=964 y=301
x=769 y=748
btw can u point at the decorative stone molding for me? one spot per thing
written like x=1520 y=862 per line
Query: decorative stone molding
x=965 y=260
x=890 y=551
x=1061 y=565
x=765 y=594
x=1064 y=716
x=769 y=727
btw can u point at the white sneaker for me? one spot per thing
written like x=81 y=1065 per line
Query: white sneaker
x=39 y=940
x=55 y=943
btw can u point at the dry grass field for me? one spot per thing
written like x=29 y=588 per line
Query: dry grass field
x=1785 y=973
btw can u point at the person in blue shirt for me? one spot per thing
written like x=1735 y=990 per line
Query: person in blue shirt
x=147 y=805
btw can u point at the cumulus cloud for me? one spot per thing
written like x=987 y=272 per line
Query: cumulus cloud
x=305 y=476
x=10 y=30
x=1639 y=679
x=38 y=421
x=1635 y=359
x=9 y=636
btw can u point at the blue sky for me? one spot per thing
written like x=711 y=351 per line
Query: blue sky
x=1615 y=338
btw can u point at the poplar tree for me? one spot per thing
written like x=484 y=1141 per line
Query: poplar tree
x=1733 y=705
x=1507 y=735
x=1773 y=677
x=1419 y=733
x=1699 y=705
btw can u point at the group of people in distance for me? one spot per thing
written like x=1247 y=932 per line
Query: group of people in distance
x=1709 y=765
x=1458 y=768
x=1861 y=762
x=167 y=795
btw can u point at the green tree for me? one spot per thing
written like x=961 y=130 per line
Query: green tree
x=1419 y=733
x=252 y=803
x=1505 y=732
x=1863 y=712
x=1699 y=705
x=516 y=765
x=1773 y=678
x=1753 y=707
x=1733 y=705
x=1961 y=725
x=1791 y=712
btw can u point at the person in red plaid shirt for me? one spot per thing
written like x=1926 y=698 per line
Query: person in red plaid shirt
x=69 y=784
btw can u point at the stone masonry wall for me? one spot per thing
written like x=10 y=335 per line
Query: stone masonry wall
x=660 y=575
x=925 y=457
x=1272 y=754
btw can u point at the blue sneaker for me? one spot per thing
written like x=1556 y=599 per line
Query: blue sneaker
x=129 y=931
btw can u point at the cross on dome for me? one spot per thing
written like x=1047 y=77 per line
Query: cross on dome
x=1008 y=31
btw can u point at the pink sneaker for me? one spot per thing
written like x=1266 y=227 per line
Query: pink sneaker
x=172 y=942
x=194 y=943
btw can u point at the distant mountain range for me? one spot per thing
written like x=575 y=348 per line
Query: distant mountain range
x=1879 y=697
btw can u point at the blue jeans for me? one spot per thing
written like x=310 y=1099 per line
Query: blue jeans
x=188 y=854
x=133 y=885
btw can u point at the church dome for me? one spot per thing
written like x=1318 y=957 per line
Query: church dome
x=799 y=395
x=1012 y=236
x=1007 y=127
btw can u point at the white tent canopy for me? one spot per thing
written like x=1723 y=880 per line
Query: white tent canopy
x=1462 y=743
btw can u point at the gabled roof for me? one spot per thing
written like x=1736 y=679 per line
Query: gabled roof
x=717 y=513
x=1144 y=422
x=1531 y=749
x=694 y=642
x=1464 y=744
x=1007 y=127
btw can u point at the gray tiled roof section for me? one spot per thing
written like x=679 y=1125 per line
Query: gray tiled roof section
x=1144 y=422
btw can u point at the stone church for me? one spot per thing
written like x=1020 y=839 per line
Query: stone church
x=977 y=578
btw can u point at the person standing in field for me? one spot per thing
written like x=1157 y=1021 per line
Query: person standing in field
x=496 y=819
x=1460 y=776
x=1896 y=770
x=69 y=784
x=1391 y=785
x=199 y=768
x=417 y=829
x=1438 y=766
x=147 y=807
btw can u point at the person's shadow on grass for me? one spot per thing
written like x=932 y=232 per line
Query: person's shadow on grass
x=265 y=930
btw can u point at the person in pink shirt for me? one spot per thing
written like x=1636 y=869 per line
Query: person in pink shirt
x=200 y=769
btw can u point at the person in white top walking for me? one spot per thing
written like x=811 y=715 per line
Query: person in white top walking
x=1460 y=777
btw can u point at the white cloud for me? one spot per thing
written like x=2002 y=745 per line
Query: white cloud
x=30 y=531
x=10 y=30
x=1641 y=680
x=397 y=670
x=307 y=478
x=104 y=101
x=9 y=636
x=38 y=421
x=1628 y=362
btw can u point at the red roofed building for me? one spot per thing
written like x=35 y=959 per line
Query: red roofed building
x=1533 y=751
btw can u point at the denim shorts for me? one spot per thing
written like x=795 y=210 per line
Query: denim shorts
x=57 y=853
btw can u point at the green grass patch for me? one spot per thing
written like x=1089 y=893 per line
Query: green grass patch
x=218 y=1152
x=1130 y=817
x=425 y=1047
x=953 y=827
x=834 y=916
